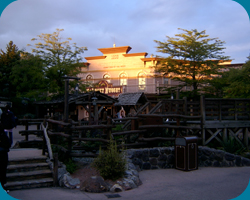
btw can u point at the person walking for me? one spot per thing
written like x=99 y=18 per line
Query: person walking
x=8 y=121
x=4 y=149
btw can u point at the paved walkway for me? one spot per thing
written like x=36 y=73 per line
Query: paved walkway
x=171 y=184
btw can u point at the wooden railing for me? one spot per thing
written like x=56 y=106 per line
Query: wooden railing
x=208 y=119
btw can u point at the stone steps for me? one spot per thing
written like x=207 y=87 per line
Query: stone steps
x=27 y=167
x=38 y=174
x=28 y=184
x=41 y=159
x=24 y=173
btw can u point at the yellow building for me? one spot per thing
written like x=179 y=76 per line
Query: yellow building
x=118 y=71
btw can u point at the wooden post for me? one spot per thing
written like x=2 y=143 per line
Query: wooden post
x=220 y=116
x=66 y=101
x=55 y=170
x=235 y=110
x=109 y=130
x=140 y=122
x=69 y=131
x=80 y=131
x=27 y=128
x=224 y=136
x=44 y=141
x=178 y=93
x=203 y=120
x=245 y=137
x=178 y=124
x=96 y=115
x=185 y=106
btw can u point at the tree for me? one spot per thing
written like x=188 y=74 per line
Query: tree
x=60 y=58
x=193 y=58
x=8 y=60
x=28 y=77
x=238 y=82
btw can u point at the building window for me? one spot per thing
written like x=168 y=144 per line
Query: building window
x=89 y=78
x=123 y=79
x=165 y=80
x=142 y=81
x=107 y=77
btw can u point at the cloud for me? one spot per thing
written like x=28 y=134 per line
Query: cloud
x=98 y=24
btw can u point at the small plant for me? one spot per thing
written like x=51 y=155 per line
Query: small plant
x=110 y=163
x=117 y=128
x=70 y=166
x=232 y=146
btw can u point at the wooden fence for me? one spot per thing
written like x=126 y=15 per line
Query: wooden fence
x=208 y=119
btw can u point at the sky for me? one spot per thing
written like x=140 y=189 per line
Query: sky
x=136 y=23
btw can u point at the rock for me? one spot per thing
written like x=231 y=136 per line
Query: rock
x=207 y=151
x=135 y=173
x=146 y=166
x=238 y=161
x=153 y=161
x=245 y=162
x=229 y=157
x=129 y=184
x=154 y=153
x=162 y=164
x=162 y=157
x=131 y=166
x=171 y=159
x=137 y=161
x=95 y=184
x=136 y=180
x=219 y=155
x=61 y=172
x=128 y=173
x=69 y=182
x=116 y=188
x=216 y=164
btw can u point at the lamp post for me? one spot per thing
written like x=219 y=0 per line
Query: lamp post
x=94 y=99
x=66 y=96
x=76 y=89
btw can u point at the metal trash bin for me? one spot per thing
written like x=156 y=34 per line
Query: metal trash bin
x=186 y=150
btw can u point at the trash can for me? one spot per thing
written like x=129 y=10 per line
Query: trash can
x=186 y=150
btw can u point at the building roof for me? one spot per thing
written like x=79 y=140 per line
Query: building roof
x=127 y=99
x=83 y=98
x=124 y=49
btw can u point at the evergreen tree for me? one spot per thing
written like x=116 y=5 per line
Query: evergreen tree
x=8 y=60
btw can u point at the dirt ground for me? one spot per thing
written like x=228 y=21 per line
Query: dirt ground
x=85 y=172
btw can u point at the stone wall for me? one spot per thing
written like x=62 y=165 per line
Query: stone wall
x=164 y=157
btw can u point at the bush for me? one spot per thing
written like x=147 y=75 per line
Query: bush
x=232 y=146
x=71 y=166
x=110 y=163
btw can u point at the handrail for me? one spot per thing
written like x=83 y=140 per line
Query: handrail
x=47 y=141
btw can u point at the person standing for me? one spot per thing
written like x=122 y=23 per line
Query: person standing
x=8 y=121
x=4 y=149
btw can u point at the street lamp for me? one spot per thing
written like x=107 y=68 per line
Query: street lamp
x=94 y=102
x=77 y=89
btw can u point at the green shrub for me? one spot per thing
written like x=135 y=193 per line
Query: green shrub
x=70 y=166
x=110 y=163
x=232 y=146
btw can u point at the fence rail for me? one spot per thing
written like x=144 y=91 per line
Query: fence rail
x=208 y=119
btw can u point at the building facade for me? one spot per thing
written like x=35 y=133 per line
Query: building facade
x=118 y=71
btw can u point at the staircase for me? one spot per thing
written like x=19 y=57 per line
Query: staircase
x=26 y=173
